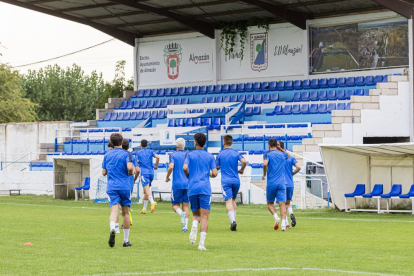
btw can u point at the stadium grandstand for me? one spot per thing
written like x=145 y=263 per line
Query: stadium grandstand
x=324 y=72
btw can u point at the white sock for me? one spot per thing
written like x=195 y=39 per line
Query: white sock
x=275 y=216
x=179 y=211
x=145 y=204
x=112 y=225
x=290 y=211
x=235 y=211
x=284 y=223
x=186 y=223
x=195 y=223
x=126 y=235
x=231 y=216
x=151 y=199
x=202 y=237
x=116 y=225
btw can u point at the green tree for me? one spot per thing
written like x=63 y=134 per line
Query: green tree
x=119 y=84
x=13 y=106
x=258 y=48
x=173 y=64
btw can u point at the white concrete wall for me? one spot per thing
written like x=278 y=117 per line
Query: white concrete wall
x=34 y=183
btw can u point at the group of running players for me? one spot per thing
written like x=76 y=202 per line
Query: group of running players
x=191 y=172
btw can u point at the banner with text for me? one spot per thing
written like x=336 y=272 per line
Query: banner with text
x=280 y=52
x=175 y=61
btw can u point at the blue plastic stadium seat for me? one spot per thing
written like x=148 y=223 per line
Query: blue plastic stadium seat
x=296 y=109
x=147 y=93
x=164 y=103
x=107 y=117
x=273 y=86
x=161 y=114
x=130 y=105
x=313 y=109
x=137 y=104
x=274 y=97
x=287 y=110
x=366 y=92
x=153 y=92
x=232 y=99
x=127 y=116
x=203 y=89
x=144 y=104
x=180 y=122
x=341 y=82
x=174 y=91
x=266 y=98
x=240 y=87
x=204 y=100
x=409 y=194
x=322 y=109
x=304 y=109
x=123 y=105
x=249 y=111
x=210 y=89
x=306 y=84
x=256 y=87
x=133 y=116
x=378 y=79
x=248 y=87
x=226 y=99
x=160 y=92
x=281 y=86
x=297 y=85
x=211 y=100
x=331 y=95
x=331 y=107
x=217 y=89
x=167 y=92
x=332 y=83
x=177 y=101
x=225 y=88
x=289 y=85
x=241 y=98
x=197 y=122
x=340 y=95
x=154 y=114
x=376 y=191
x=359 y=191
x=278 y=110
x=209 y=110
x=146 y=115
x=216 y=110
x=233 y=88
x=181 y=91
x=207 y=122
x=119 y=116
x=314 y=96
x=265 y=86
x=314 y=84
x=305 y=97
x=360 y=81
x=396 y=191
x=340 y=106
x=171 y=101
x=350 y=82
x=140 y=93
x=250 y=99
x=323 y=83
x=369 y=80
x=192 y=90
x=219 y=99
x=359 y=92
x=216 y=123
x=349 y=93
x=150 y=104
x=189 y=122
x=323 y=96
x=157 y=104
x=258 y=99
x=348 y=106
x=140 y=115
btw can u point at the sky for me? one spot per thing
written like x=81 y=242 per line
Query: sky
x=27 y=36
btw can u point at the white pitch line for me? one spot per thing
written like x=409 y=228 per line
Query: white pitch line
x=214 y=214
x=242 y=270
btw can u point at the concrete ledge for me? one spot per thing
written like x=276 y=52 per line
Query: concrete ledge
x=333 y=134
x=298 y=148
x=92 y=123
x=397 y=78
x=323 y=127
x=310 y=148
x=370 y=106
x=387 y=85
x=127 y=94
x=337 y=126
x=356 y=106
x=360 y=99
x=389 y=92
x=343 y=113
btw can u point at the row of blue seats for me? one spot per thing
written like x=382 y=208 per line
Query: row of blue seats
x=211 y=123
x=308 y=109
x=378 y=191
x=44 y=165
x=97 y=130
x=250 y=99
x=264 y=86
x=91 y=141
x=278 y=126
x=152 y=103
x=267 y=138
x=139 y=115
x=327 y=95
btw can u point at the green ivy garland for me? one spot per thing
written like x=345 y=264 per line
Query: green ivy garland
x=230 y=31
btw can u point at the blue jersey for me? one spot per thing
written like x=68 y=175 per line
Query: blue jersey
x=115 y=162
x=131 y=177
x=228 y=161
x=199 y=164
x=180 y=181
x=144 y=158
x=290 y=162
x=276 y=167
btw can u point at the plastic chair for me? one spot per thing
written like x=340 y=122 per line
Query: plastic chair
x=86 y=186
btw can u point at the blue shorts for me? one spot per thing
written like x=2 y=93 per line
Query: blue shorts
x=179 y=196
x=230 y=191
x=289 y=193
x=119 y=196
x=146 y=179
x=200 y=201
x=276 y=191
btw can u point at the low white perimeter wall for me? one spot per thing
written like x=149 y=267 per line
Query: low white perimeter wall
x=34 y=183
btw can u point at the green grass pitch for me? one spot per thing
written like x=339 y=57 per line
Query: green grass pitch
x=71 y=238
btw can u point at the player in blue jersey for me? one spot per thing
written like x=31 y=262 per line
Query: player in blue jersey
x=132 y=178
x=199 y=166
x=290 y=163
x=117 y=164
x=228 y=161
x=180 y=183
x=274 y=166
x=144 y=159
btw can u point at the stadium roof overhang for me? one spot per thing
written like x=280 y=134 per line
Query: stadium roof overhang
x=130 y=19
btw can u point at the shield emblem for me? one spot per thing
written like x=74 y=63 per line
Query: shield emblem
x=258 y=52
x=173 y=68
